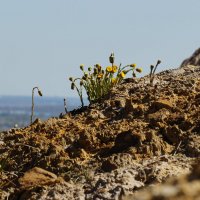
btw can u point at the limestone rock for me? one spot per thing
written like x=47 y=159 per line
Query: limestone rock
x=37 y=177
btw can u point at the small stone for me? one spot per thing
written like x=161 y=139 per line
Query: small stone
x=37 y=177
x=95 y=114
x=162 y=103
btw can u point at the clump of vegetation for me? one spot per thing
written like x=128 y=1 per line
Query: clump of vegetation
x=97 y=81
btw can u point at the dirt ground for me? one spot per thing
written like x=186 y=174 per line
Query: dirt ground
x=138 y=142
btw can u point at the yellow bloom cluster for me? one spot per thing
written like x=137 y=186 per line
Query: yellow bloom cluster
x=97 y=82
x=112 y=69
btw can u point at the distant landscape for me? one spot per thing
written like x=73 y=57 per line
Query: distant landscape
x=15 y=111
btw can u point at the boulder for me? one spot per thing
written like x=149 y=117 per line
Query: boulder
x=192 y=60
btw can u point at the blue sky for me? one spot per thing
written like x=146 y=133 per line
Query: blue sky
x=43 y=42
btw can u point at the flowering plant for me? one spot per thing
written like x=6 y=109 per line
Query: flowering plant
x=98 y=81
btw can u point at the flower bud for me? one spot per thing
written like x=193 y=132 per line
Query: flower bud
x=133 y=65
x=84 y=78
x=139 y=70
x=86 y=75
x=112 y=58
x=39 y=92
x=73 y=86
x=158 y=62
x=100 y=76
x=151 y=68
x=125 y=71
x=95 y=71
x=81 y=67
x=98 y=66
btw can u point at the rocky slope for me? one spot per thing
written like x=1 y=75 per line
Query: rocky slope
x=133 y=140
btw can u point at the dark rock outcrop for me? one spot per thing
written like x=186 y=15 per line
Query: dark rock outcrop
x=192 y=60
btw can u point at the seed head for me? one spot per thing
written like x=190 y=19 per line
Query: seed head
x=133 y=65
x=70 y=78
x=158 y=62
x=151 y=67
x=40 y=92
x=139 y=70
x=112 y=58
x=81 y=67
x=72 y=85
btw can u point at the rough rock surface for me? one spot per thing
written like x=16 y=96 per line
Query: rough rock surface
x=184 y=187
x=193 y=60
x=135 y=137
x=37 y=177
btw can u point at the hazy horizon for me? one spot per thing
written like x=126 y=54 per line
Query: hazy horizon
x=42 y=43
x=17 y=109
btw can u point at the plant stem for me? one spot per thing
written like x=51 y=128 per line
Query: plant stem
x=65 y=105
x=32 y=108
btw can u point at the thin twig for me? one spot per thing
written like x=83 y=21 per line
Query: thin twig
x=65 y=105
x=179 y=144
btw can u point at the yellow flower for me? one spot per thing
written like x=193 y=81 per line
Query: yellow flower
x=109 y=69
x=139 y=70
x=133 y=65
x=114 y=69
x=114 y=80
x=100 y=76
x=122 y=74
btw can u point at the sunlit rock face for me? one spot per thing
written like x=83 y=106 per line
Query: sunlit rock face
x=192 y=60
